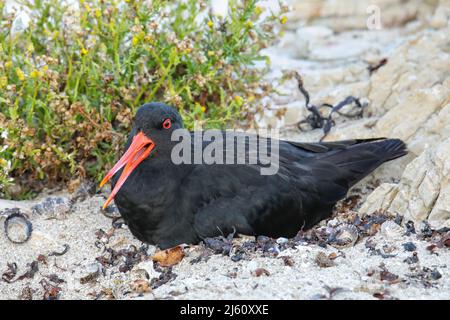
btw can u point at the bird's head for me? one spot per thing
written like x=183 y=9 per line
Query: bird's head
x=153 y=126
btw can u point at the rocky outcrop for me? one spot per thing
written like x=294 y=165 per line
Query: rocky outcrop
x=408 y=97
x=330 y=44
x=423 y=191
x=411 y=96
x=344 y=15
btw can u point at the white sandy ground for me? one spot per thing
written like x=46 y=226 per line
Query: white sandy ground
x=355 y=270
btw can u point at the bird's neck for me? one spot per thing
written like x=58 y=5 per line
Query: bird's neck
x=153 y=183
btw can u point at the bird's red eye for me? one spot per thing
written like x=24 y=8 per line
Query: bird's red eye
x=167 y=124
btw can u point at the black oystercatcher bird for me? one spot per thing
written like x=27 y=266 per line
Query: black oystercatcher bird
x=169 y=204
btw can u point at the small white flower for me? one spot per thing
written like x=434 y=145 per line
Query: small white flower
x=20 y=23
x=220 y=8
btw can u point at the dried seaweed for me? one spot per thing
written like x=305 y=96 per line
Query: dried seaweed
x=220 y=245
x=131 y=256
x=425 y=276
x=111 y=212
x=316 y=236
x=413 y=259
x=371 y=245
x=61 y=253
x=91 y=277
x=374 y=67
x=42 y=259
x=261 y=272
x=384 y=295
x=346 y=205
x=55 y=279
x=29 y=274
x=288 y=261
x=316 y=120
x=202 y=257
x=117 y=222
x=410 y=228
x=438 y=239
x=10 y=273
x=51 y=292
x=426 y=231
x=26 y=294
x=166 y=276
x=389 y=277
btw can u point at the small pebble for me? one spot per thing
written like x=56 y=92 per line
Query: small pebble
x=262 y=239
x=410 y=227
x=435 y=274
x=409 y=246
x=53 y=207
x=282 y=240
x=323 y=261
x=236 y=257
x=112 y=211
x=93 y=268
x=413 y=259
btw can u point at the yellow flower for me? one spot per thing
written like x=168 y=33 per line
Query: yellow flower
x=20 y=74
x=98 y=13
x=8 y=64
x=3 y=81
x=88 y=8
x=35 y=74
x=249 y=24
x=258 y=10
x=137 y=38
x=239 y=100
x=283 y=20
x=3 y=163
x=135 y=41
x=84 y=51
x=210 y=53
x=210 y=24
x=148 y=38
x=203 y=109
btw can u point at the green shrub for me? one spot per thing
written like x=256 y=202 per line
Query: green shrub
x=71 y=81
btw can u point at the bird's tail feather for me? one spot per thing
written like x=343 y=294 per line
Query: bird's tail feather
x=362 y=158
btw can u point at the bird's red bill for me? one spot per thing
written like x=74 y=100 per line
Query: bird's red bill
x=140 y=148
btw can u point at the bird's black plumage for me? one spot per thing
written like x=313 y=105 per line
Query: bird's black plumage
x=168 y=204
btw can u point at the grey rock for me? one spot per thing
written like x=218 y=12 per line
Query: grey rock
x=53 y=207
